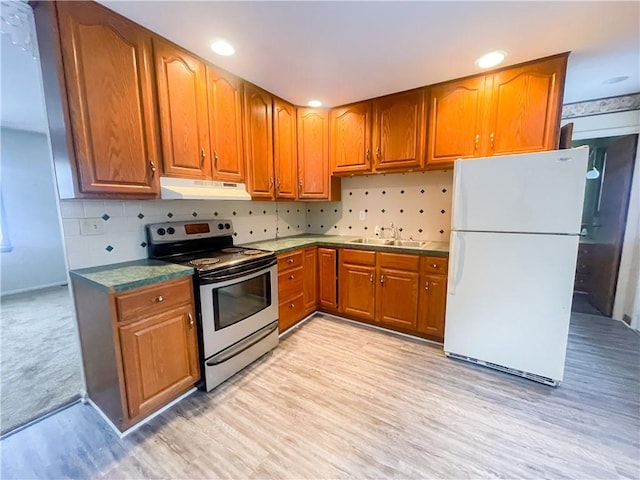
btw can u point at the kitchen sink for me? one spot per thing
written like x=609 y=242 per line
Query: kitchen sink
x=409 y=243
x=373 y=241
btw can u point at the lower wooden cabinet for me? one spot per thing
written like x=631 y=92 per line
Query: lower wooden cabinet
x=328 y=278
x=139 y=347
x=385 y=289
x=297 y=286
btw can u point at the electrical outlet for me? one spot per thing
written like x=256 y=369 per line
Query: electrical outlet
x=362 y=215
x=91 y=226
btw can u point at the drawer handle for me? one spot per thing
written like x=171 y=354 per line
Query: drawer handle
x=190 y=320
x=290 y=260
x=158 y=299
x=291 y=277
x=382 y=280
x=371 y=278
x=426 y=287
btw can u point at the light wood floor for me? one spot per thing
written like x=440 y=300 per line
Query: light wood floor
x=337 y=400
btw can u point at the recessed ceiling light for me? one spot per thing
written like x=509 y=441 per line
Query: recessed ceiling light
x=222 y=48
x=491 y=59
x=315 y=103
x=619 y=79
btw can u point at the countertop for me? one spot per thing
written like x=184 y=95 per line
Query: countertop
x=286 y=244
x=119 y=277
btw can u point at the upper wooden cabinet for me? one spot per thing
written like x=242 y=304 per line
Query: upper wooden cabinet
x=399 y=130
x=258 y=137
x=515 y=110
x=525 y=107
x=383 y=134
x=285 y=152
x=314 y=175
x=456 y=120
x=101 y=106
x=350 y=145
x=182 y=99
x=224 y=93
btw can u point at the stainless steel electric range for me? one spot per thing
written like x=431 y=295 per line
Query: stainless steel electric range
x=236 y=293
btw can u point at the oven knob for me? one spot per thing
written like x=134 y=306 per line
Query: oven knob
x=220 y=226
x=171 y=230
x=227 y=226
x=161 y=231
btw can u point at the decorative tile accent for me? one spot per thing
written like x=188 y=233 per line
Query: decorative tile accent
x=143 y=244
x=105 y=217
x=140 y=216
x=109 y=248
x=600 y=106
x=194 y=214
x=170 y=215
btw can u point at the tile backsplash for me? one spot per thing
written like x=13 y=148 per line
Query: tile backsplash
x=418 y=204
x=123 y=237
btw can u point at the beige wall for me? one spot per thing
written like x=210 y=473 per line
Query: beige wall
x=627 y=300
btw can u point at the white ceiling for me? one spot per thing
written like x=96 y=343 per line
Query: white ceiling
x=341 y=52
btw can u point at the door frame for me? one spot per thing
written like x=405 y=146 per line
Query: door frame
x=610 y=125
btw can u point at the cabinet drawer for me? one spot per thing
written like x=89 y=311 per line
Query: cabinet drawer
x=583 y=267
x=399 y=261
x=435 y=265
x=154 y=299
x=359 y=257
x=290 y=284
x=581 y=283
x=290 y=260
x=290 y=312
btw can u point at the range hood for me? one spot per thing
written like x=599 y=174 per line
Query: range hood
x=183 y=188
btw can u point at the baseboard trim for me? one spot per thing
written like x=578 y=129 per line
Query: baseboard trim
x=34 y=289
x=143 y=421
x=291 y=329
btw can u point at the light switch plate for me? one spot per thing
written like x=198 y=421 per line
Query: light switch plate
x=91 y=226
x=362 y=215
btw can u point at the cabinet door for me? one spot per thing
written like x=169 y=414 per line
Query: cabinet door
x=399 y=130
x=397 y=298
x=258 y=134
x=350 y=144
x=284 y=149
x=525 y=108
x=159 y=359
x=310 y=279
x=433 y=298
x=109 y=85
x=327 y=278
x=357 y=291
x=224 y=93
x=182 y=97
x=313 y=153
x=455 y=120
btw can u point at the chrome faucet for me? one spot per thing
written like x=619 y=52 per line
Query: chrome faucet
x=392 y=228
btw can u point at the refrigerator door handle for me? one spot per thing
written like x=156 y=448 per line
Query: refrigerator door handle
x=457 y=247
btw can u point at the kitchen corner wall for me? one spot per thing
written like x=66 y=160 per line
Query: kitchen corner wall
x=123 y=237
x=418 y=204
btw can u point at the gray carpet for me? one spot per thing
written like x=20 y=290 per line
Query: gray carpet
x=40 y=364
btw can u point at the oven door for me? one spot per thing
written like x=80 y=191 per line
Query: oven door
x=236 y=308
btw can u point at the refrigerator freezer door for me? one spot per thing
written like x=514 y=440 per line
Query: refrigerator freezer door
x=537 y=193
x=509 y=299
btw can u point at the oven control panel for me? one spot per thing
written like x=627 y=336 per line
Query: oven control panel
x=179 y=231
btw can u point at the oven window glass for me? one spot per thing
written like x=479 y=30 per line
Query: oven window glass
x=241 y=300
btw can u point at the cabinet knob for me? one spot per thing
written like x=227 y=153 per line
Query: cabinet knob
x=290 y=260
x=159 y=299
x=291 y=277
x=292 y=305
x=381 y=279
x=371 y=278
x=190 y=320
x=435 y=265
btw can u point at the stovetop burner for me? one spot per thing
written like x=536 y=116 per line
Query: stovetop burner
x=204 y=262
x=253 y=252
x=232 y=250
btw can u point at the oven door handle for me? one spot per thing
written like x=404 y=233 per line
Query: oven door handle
x=240 y=347
x=207 y=280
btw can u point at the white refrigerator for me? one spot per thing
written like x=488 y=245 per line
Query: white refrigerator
x=515 y=227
